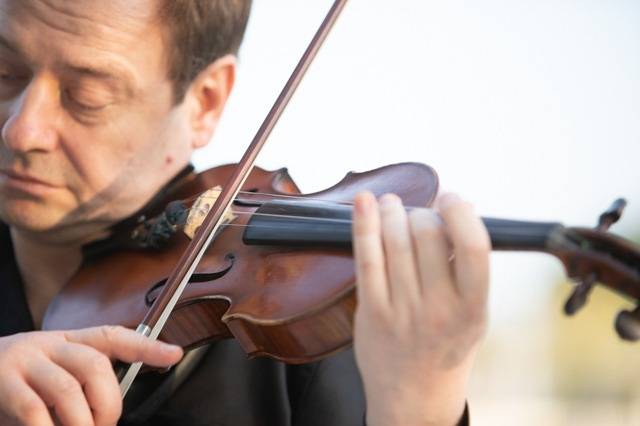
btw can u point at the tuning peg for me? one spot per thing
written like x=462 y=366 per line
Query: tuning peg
x=628 y=324
x=579 y=296
x=611 y=215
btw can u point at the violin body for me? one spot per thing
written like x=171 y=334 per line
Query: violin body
x=290 y=303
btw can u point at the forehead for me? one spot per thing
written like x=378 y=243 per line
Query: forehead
x=128 y=31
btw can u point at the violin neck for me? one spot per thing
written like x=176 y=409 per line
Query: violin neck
x=520 y=235
x=328 y=225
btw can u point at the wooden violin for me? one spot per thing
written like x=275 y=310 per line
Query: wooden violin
x=279 y=276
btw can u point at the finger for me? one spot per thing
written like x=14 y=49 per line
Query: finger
x=368 y=253
x=432 y=252
x=60 y=390
x=93 y=370
x=401 y=265
x=471 y=246
x=21 y=402
x=126 y=345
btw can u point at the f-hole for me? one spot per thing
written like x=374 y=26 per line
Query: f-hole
x=153 y=292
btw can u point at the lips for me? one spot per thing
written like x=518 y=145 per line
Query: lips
x=26 y=178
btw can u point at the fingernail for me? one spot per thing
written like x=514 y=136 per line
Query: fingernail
x=389 y=200
x=170 y=349
x=447 y=199
x=363 y=203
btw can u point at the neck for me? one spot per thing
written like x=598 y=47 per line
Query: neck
x=45 y=267
x=321 y=224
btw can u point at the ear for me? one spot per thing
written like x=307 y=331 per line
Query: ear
x=207 y=96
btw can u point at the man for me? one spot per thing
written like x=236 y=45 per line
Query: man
x=102 y=104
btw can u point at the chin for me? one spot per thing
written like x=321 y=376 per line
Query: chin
x=31 y=216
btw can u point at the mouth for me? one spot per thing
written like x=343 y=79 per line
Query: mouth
x=24 y=181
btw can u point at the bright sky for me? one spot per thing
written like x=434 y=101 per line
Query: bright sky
x=530 y=108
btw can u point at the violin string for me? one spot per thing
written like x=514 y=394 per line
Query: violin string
x=241 y=225
x=295 y=197
x=277 y=196
x=288 y=216
x=292 y=197
x=303 y=198
x=310 y=218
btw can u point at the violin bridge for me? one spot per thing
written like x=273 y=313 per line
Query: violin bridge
x=200 y=209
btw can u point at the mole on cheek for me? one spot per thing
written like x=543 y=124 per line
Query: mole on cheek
x=168 y=160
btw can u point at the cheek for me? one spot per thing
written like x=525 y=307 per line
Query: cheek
x=123 y=168
x=126 y=161
x=98 y=158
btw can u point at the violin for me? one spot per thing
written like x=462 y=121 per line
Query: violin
x=279 y=276
x=238 y=252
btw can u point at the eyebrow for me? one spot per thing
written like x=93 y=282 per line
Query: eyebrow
x=110 y=72
x=107 y=71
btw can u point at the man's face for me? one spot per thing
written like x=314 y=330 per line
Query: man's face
x=89 y=130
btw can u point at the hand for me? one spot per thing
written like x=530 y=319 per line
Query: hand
x=422 y=284
x=67 y=377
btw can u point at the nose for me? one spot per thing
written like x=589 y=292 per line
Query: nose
x=30 y=125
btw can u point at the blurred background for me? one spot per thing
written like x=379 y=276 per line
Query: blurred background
x=528 y=108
